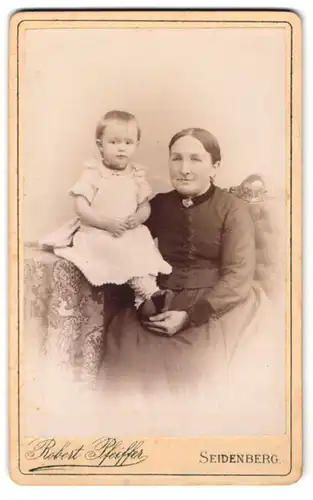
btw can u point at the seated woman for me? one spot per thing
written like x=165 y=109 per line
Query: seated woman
x=208 y=237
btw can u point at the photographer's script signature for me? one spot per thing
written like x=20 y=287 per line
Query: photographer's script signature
x=103 y=452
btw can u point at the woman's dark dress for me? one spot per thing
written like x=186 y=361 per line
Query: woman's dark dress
x=211 y=247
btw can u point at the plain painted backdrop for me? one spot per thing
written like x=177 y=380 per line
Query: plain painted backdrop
x=231 y=81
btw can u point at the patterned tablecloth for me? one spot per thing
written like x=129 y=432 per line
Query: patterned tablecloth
x=64 y=316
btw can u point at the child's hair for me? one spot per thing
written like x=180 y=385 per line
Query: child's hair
x=115 y=115
x=208 y=141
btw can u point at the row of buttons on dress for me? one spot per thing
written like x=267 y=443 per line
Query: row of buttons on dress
x=188 y=245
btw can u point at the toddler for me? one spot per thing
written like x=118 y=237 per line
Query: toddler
x=108 y=241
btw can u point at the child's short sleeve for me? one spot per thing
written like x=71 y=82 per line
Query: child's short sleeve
x=144 y=192
x=87 y=185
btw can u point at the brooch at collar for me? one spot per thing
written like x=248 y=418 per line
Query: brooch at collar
x=187 y=202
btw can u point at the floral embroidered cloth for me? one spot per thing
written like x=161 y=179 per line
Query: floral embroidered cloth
x=63 y=313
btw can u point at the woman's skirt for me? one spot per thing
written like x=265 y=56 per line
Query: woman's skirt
x=216 y=378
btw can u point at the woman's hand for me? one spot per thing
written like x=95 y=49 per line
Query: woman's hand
x=167 y=323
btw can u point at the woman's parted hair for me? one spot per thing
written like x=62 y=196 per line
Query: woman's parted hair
x=208 y=141
x=115 y=115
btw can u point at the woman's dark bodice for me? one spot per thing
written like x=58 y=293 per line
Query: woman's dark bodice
x=210 y=244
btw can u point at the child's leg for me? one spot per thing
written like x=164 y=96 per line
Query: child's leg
x=144 y=287
x=149 y=299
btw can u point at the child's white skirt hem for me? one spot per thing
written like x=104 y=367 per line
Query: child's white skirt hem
x=104 y=259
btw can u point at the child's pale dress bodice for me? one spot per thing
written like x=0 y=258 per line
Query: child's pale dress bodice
x=100 y=256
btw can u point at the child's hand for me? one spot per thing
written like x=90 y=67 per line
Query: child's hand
x=116 y=227
x=121 y=230
x=132 y=222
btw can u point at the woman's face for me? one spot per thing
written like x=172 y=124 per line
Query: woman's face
x=190 y=166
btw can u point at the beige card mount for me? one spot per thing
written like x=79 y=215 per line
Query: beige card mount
x=155 y=311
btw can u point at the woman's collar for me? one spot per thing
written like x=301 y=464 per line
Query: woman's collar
x=189 y=201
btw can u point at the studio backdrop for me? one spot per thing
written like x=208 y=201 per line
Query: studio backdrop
x=229 y=81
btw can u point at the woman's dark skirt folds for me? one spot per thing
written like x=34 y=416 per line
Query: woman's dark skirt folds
x=137 y=357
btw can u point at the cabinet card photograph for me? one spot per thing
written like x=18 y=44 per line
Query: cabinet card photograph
x=155 y=247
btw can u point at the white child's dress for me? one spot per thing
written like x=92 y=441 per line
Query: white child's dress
x=100 y=256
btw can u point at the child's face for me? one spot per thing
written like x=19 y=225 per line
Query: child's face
x=119 y=142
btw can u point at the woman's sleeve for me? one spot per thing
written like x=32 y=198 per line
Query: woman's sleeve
x=238 y=260
x=87 y=184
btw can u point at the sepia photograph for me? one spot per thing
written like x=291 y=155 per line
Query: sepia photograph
x=154 y=156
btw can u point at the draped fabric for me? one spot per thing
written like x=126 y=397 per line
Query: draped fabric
x=64 y=316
